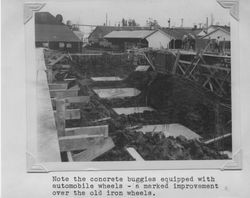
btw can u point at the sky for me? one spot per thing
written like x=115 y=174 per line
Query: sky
x=94 y=11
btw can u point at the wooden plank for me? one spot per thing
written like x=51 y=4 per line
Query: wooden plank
x=53 y=62
x=59 y=93
x=134 y=154
x=71 y=114
x=207 y=66
x=60 y=117
x=58 y=86
x=78 y=99
x=49 y=74
x=102 y=119
x=217 y=138
x=91 y=130
x=94 y=150
x=69 y=79
x=69 y=155
x=79 y=142
x=176 y=62
x=75 y=99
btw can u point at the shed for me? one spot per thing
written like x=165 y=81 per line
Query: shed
x=155 y=39
x=97 y=35
x=51 y=33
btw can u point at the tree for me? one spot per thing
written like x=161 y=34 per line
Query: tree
x=124 y=22
x=69 y=24
x=59 y=18
x=152 y=23
x=129 y=22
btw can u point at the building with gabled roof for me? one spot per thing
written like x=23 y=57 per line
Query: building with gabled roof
x=53 y=34
x=155 y=39
x=97 y=35
x=212 y=28
x=219 y=34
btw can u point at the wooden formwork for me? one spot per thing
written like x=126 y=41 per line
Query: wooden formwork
x=91 y=141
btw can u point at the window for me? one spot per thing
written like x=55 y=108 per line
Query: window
x=69 y=45
x=45 y=44
x=61 y=45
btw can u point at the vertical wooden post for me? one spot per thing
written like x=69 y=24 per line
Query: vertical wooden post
x=49 y=74
x=176 y=62
x=218 y=131
x=60 y=117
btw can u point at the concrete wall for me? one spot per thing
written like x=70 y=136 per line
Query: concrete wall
x=158 y=40
x=42 y=141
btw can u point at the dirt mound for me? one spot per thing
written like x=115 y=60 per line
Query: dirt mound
x=187 y=103
x=155 y=146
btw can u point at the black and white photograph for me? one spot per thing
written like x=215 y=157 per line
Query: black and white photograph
x=125 y=98
x=129 y=81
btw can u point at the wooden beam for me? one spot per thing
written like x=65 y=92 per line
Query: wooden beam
x=69 y=155
x=75 y=99
x=58 y=86
x=53 y=62
x=134 y=154
x=49 y=74
x=206 y=66
x=217 y=138
x=91 y=130
x=176 y=62
x=179 y=66
x=102 y=119
x=71 y=114
x=78 y=99
x=60 y=117
x=65 y=66
x=94 y=150
x=69 y=79
x=79 y=142
x=59 y=93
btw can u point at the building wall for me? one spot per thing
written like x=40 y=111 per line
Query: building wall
x=158 y=40
x=75 y=46
x=219 y=33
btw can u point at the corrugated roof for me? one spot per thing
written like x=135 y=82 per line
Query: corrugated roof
x=140 y=34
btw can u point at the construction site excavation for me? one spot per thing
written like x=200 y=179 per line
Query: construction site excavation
x=110 y=108
x=132 y=93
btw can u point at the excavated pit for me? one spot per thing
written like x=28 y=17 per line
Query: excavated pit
x=139 y=105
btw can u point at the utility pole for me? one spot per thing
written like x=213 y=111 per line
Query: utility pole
x=182 y=22
x=169 y=21
x=106 y=19
x=212 y=19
